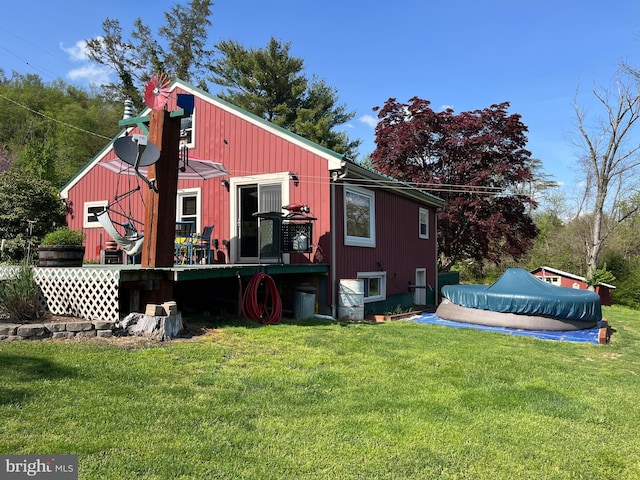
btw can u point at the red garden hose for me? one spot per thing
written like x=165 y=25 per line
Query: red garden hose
x=267 y=310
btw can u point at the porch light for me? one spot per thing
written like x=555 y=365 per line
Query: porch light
x=294 y=178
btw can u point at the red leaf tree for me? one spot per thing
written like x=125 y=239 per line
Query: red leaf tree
x=476 y=161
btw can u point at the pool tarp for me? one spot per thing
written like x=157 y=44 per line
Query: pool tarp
x=589 y=335
x=518 y=291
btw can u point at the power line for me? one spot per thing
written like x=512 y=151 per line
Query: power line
x=54 y=119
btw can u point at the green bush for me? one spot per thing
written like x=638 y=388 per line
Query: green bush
x=28 y=208
x=19 y=296
x=63 y=236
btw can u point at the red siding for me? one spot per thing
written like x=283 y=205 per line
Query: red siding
x=399 y=251
x=603 y=291
x=244 y=148
x=248 y=149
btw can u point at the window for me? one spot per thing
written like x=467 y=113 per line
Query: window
x=90 y=209
x=375 y=286
x=187 y=137
x=188 y=206
x=423 y=231
x=359 y=217
x=553 y=280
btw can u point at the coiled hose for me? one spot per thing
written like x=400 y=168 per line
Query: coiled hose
x=265 y=310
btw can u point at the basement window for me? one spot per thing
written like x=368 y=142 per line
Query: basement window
x=375 y=286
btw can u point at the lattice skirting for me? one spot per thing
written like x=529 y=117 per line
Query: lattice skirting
x=89 y=293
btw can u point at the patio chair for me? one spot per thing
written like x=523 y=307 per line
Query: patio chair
x=184 y=242
x=202 y=245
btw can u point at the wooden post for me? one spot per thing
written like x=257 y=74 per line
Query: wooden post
x=160 y=207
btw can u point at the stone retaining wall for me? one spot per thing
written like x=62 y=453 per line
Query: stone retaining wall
x=39 y=331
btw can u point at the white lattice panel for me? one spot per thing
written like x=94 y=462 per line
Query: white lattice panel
x=90 y=293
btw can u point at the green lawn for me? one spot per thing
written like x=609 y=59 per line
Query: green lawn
x=398 y=400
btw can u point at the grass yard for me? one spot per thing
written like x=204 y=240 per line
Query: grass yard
x=392 y=401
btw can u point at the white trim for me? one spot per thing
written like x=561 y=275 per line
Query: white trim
x=570 y=275
x=192 y=143
x=422 y=211
x=85 y=213
x=234 y=183
x=188 y=192
x=382 y=276
x=350 y=240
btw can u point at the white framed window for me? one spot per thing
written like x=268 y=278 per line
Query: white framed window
x=423 y=223
x=553 y=280
x=89 y=211
x=188 y=206
x=187 y=131
x=375 y=286
x=359 y=217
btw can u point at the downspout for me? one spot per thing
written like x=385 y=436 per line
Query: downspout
x=335 y=176
x=332 y=203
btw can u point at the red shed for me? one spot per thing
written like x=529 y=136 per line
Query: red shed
x=367 y=226
x=564 y=279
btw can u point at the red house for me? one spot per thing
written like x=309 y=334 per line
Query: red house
x=564 y=279
x=367 y=225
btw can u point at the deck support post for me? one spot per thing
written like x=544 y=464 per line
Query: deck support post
x=160 y=202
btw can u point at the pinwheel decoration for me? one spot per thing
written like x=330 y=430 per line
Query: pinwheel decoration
x=156 y=92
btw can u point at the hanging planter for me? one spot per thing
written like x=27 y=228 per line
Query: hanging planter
x=62 y=248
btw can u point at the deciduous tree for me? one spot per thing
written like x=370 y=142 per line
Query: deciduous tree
x=475 y=161
x=610 y=160
x=182 y=54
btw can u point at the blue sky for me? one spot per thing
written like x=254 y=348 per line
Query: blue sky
x=464 y=54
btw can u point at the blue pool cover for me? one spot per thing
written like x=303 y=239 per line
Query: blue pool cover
x=589 y=335
x=519 y=292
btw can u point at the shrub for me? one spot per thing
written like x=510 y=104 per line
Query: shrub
x=63 y=236
x=28 y=208
x=19 y=296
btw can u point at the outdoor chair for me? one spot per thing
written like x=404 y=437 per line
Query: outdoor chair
x=184 y=240
x=202 y=245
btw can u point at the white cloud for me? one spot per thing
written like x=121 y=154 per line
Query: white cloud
x=368 y=120
x=89 y=72
x=92 y=74
x=78 y=52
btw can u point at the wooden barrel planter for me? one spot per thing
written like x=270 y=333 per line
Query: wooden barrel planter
x=60 y=255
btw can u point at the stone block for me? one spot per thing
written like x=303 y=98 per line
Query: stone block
x=104 y=333
x=103 y=325
x=79 y=326
x=170 y=308
x=56 y=327
x=63 y=334
x=31 y=330
x=8 y=328
x=86 y=333
x=153 y=310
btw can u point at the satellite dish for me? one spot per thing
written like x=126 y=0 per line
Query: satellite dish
x=156 y=92
x=136 y=151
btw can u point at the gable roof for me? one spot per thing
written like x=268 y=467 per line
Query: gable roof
x=335 y=161
x=569 y=275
